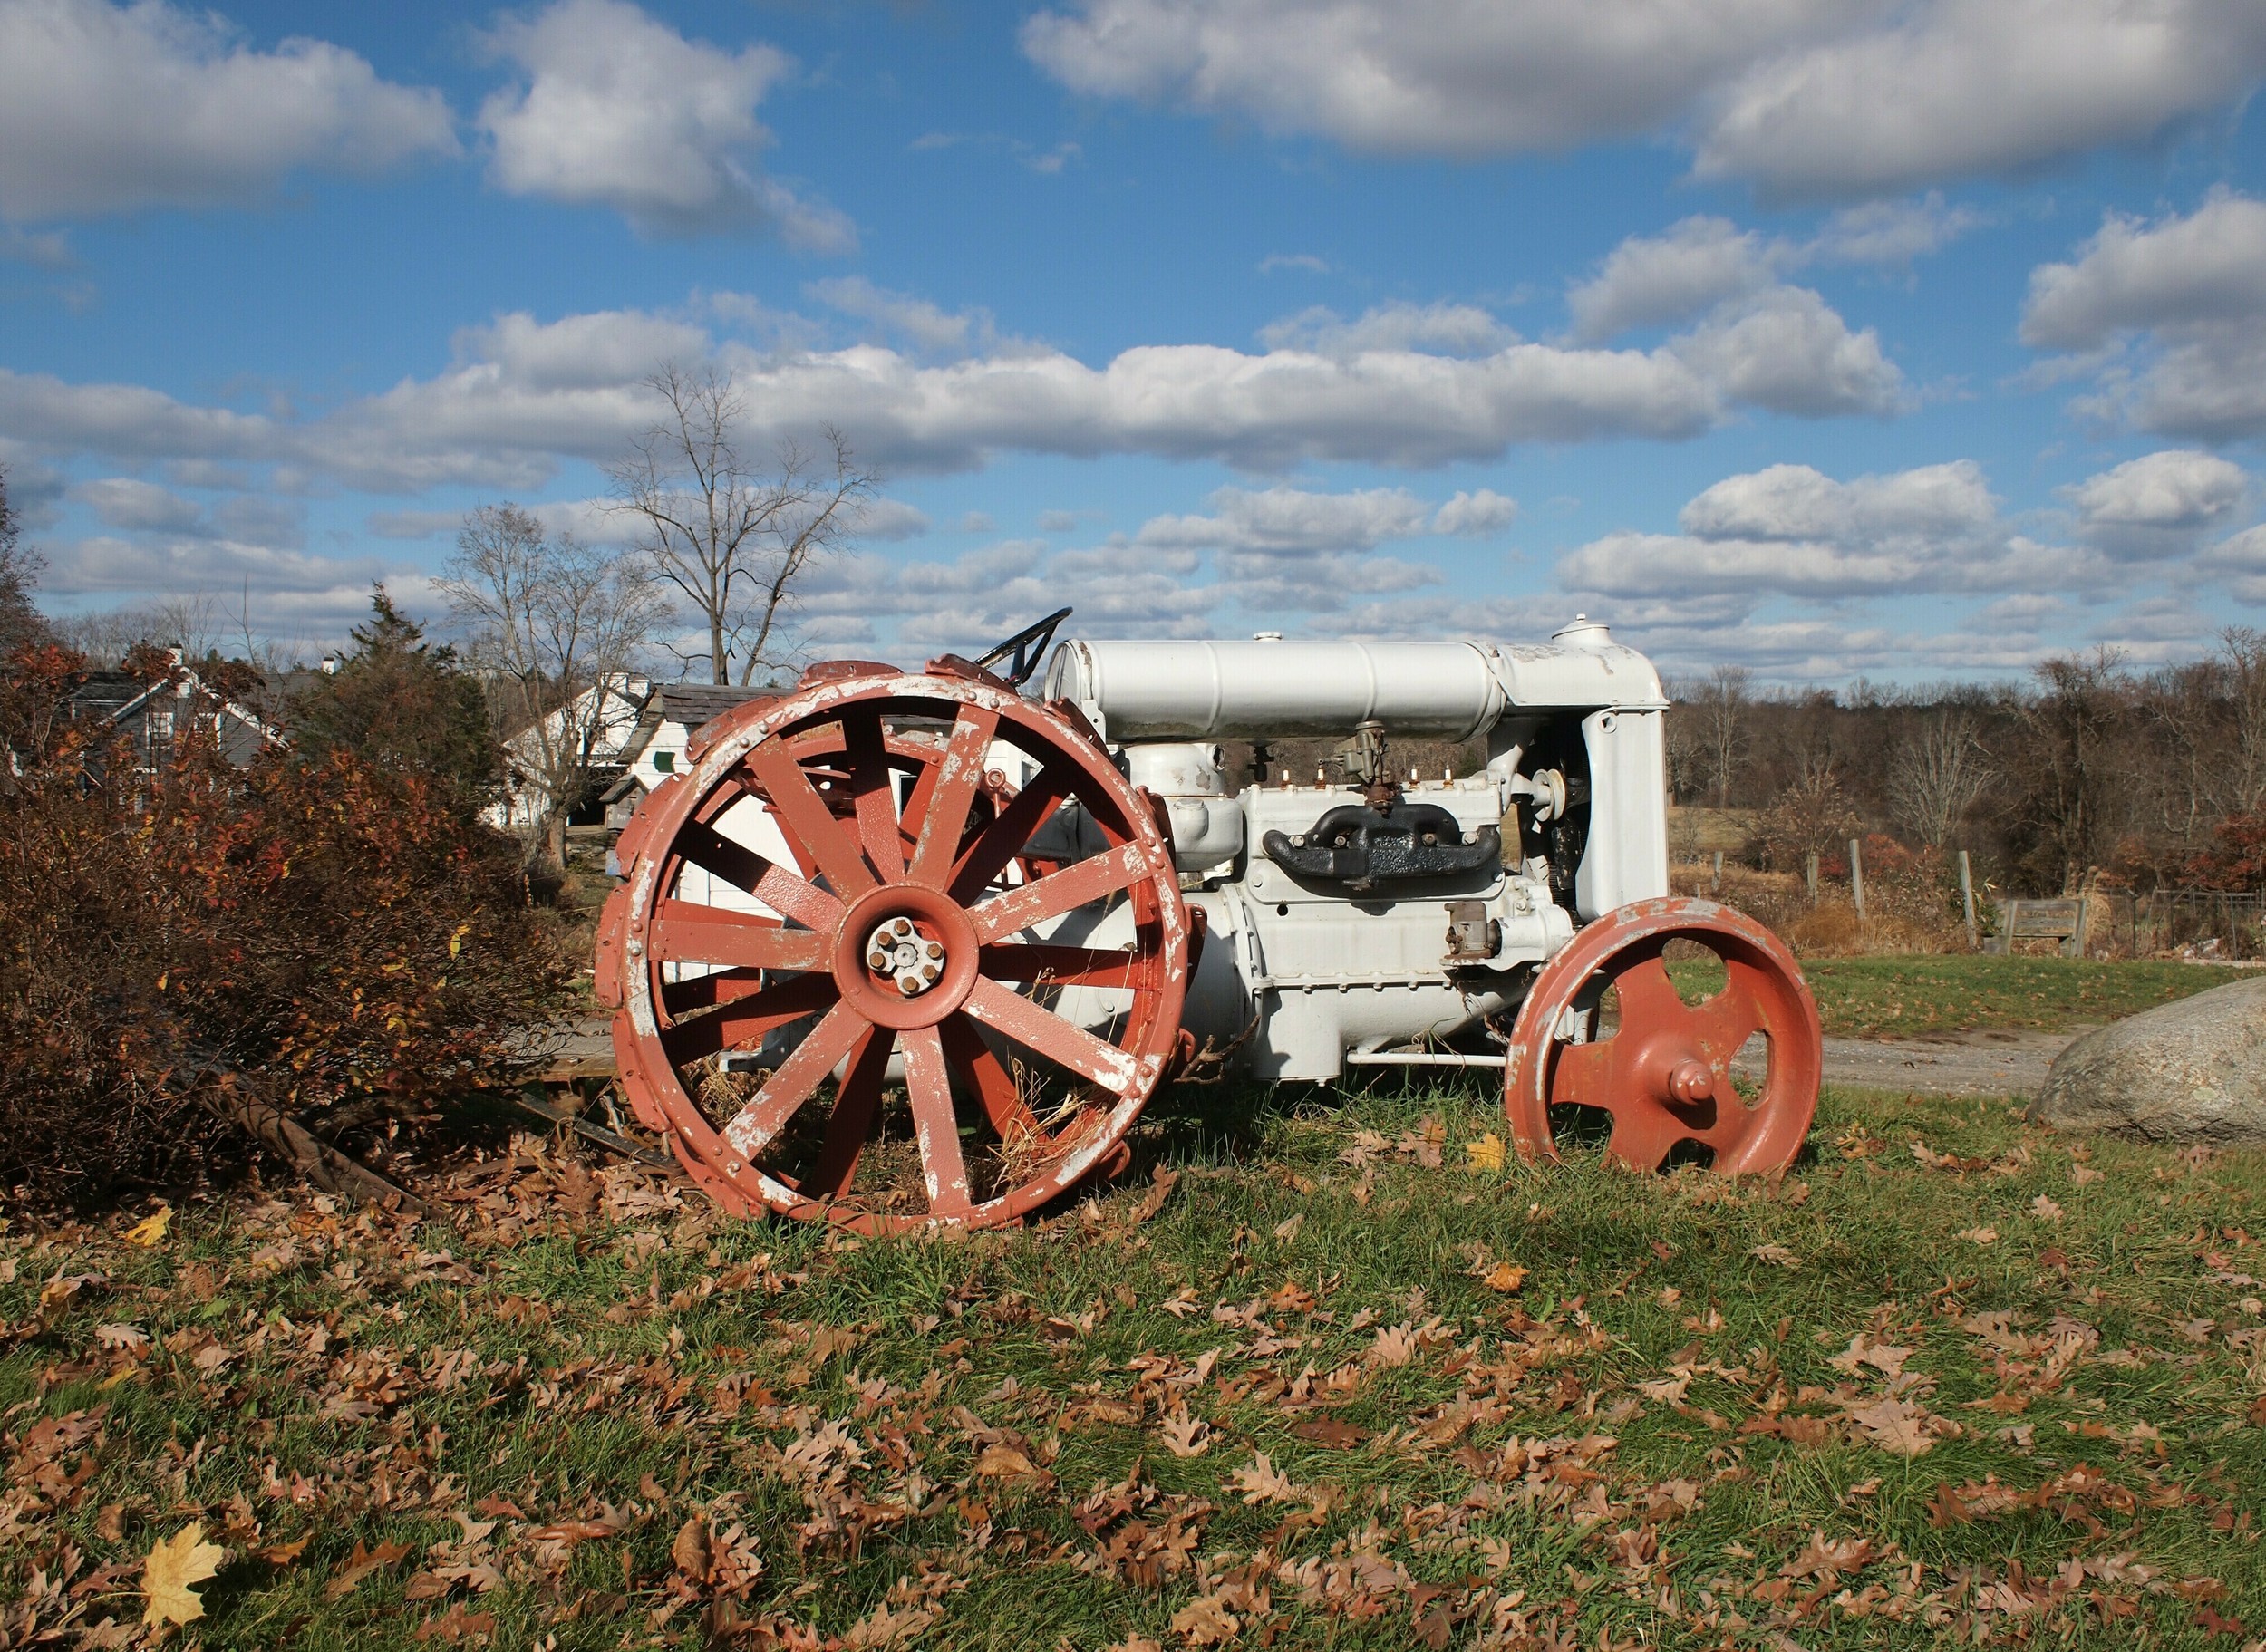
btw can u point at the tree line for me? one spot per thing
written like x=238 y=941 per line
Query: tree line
x=2092 y=770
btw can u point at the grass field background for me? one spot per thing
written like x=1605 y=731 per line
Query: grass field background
x=1343 y=1377
x=1917 y=997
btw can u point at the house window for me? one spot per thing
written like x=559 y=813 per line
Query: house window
x=665 y=761
x=161 y=724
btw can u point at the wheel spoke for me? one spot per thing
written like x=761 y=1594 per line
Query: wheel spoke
x=856 y=1100
x=756 y=1125
x=1060 y=966
x=994 y=1086
x=1079 y=883
x=706 y=991
x=746 y=1018
x=1005 y=838
x=1648 y=1000
x=928 y=1086
x=1726 y=1021
x=685 y=932
x=864 y=745
x=959 y=775
x=1052 y=1036
x=1644 y=1133
x=806 y=821
x=712 y=852
x=1583 y=1076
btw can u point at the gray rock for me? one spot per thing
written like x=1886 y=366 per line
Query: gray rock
x=2191 y=1071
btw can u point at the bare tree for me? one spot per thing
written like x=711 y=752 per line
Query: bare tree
x=1935 y=776
x=20 y=567
x=733 y=541
x=558 y=626
x=1721 y=703
x=2243 y=656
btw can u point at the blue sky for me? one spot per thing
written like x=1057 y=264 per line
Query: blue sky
x=1902 y=338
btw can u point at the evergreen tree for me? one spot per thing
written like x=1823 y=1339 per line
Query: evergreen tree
x=403 y=703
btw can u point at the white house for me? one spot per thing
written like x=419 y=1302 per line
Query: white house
x=666 y=720
x=608 y=713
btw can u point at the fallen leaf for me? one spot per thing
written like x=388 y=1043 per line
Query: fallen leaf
x=2082 y=1173
x=1337 y=1435
x=1205 y=1621
x=122 y=1336
x=1185 y=1435
x=1485 y=1154
x=1161 y=1188
x=1887 y=1357
x=2045 y=1209
x=457 y=1627
x=1895 y=1425
x=151 y=1228
x=360 y=1565
x=170 y=1573
x=1261 y=1482
x=1980 y=1236
x=1288 y=1231
x=1505 y=1277
x=283 y=1554
x=689 y=1551
x=1776 y=1255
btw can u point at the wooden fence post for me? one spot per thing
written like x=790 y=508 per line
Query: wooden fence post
x=1967 y=899
x=1812 y=880
x=1718 y=873
x=1856 y=876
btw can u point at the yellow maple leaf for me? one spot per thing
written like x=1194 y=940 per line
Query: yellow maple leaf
x=151 y=1228
x=1505 y=1277
x=1485 y=1154
x=173 y=1569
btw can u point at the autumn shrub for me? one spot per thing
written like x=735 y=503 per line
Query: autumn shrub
x=328 y=942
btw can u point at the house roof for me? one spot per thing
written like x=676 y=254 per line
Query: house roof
x=687 y=704
x=112 y=696
x=694 y=703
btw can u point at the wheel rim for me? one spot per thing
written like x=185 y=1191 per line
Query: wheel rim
x=1665 y=1074
x=895 y=924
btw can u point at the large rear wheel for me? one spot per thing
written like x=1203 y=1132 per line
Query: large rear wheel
x=850 y=985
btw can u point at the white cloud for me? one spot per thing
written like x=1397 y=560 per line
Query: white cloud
x=109 y=108
x=1792 y=529
x=1307 y=262
x=1476 y=514
x=1787 y=350
x=1438 y=329
x=1890 y=232
x=1289 y=521
x=930 y=329
x=1961 y=87
x=1804 y=96
x=2207 y=267
x=523 y=395
x=615 y=109
x=2160 y=504
x=1655 y=280
x=2190 y=292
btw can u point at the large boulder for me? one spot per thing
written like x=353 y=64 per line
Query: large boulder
x=2191 y=1071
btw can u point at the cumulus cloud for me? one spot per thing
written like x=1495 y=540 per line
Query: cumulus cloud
x=108 y=109
x=1412 y=386
x=1820 y=97
x=1655 y=280
x=1792 y=529
x=2160 y=504
x=2190 y=293
x=930 y=329
x=1787 y=350
x=615 y=109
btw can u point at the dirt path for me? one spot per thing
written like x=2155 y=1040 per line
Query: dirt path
x=1998 y=1063
x=1954 y=1064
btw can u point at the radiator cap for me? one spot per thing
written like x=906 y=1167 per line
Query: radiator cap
x=1583 y=632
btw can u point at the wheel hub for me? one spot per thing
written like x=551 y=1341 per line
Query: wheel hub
x=898 y=952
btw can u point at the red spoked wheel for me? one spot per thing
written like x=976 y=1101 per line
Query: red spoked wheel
x=1606 y=1028
x=952 y=1023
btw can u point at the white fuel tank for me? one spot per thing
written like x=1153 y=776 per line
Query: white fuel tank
x=1266 y=689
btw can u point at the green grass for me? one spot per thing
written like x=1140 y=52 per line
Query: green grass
x=1913 y=997
x=969 y=1439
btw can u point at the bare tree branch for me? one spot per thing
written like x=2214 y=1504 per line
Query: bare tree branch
x=732 y=541
x=549 y=618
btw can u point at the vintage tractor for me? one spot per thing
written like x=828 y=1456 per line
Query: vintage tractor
x=898 y=948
